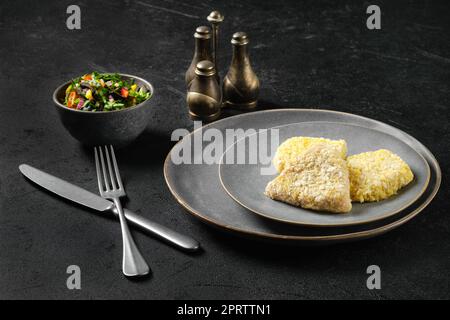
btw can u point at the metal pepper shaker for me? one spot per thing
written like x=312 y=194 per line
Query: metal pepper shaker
x=241 y=85
x=202 y=51
x=204 y=98
x=215 y=18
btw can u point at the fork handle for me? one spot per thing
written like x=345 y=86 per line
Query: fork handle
x=133 y=264
x=171 y=236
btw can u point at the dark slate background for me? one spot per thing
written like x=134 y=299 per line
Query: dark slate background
x=313 y=54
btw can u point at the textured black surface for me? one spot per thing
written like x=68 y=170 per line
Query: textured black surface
x=306 y=54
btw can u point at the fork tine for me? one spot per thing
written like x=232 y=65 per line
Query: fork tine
x=116 y=168
x=99 y=174
x=111 y=173
x=102 y=161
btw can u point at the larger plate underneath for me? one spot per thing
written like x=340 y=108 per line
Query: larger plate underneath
x=197 y=186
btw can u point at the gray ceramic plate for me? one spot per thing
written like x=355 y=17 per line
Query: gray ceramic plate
x=198 y=189
x=245 y=183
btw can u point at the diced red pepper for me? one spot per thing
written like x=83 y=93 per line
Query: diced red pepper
x=87 y=77
x=71 y=99
x=124 y=92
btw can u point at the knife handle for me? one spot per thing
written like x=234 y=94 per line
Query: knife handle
x=184 y=242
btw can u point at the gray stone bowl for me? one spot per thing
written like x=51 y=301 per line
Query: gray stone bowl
x=118 y=127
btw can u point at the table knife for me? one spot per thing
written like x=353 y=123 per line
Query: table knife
x=81 y=196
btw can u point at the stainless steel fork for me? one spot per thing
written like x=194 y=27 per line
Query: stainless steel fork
x=110 y=186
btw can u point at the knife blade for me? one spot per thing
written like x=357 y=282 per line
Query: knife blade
x=86 y=198
x=65 y=189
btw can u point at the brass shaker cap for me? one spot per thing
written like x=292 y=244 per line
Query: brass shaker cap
x=240 y=38
x=215 y=17
x=202 y=32
x=205 y=68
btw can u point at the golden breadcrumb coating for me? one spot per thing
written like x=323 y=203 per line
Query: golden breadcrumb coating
x=292 y=148
x=317 y=180
x=377 y=175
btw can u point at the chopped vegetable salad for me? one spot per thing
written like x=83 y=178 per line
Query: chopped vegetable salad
x=104 y=92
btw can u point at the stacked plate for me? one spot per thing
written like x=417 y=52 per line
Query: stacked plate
x=230 y=194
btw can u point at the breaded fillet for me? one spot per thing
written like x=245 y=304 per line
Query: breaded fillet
x=377 y=175
x=292 y=148
x=317 y=180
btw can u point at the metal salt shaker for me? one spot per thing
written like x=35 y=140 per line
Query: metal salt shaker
x=204 y=98
x=202 y=51
x=241 y=85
